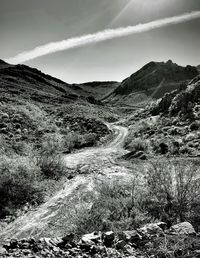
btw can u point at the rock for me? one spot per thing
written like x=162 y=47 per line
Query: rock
x=120 y=244
x=56 y=241
x=196 y=253
x=46 y=241
x=56 y=249
x=3 y=251
x=190 y=137
x=25 y=246
x=151 y=230
x=130 y=250
x=94 y=237
x=162 y=225
x=184 y=228
x=66 y=239
x=108 y=238
x=129 y=236
x=13 y=244
x=26 y=251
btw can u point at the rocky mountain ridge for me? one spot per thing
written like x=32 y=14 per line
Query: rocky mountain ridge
x=152 y=81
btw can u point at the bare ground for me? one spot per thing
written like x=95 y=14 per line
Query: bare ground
x=57 y=216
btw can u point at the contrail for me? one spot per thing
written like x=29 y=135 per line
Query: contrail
x=99 y=36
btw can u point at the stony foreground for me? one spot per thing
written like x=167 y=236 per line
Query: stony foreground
x=181 y=240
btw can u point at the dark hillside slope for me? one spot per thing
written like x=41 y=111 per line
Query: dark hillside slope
x=97 y=89
x=40 y=86
x=32 y=83
x=153 y=81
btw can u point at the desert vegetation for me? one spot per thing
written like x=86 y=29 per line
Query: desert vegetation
x=157 y=178
x=33 y=138
x=168 y=191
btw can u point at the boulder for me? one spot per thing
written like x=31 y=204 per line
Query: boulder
x=120 y=244
x=66 y=239
x=152 y=229
x=130 y=236
x=3 y=251
x=184 y=228
x=94 y=237
x=108 y=238
x=13 y=243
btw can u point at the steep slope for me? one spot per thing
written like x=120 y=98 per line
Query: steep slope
x=32 y=83
x=42 y=87
x=170 y=125
x=153 y=81
x=180 y=102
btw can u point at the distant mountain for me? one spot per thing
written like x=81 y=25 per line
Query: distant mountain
x=97 y=89
x=22 y=80
x=153 y=81
x=32 y=83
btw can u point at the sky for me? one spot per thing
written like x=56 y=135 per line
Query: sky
x=26 y=24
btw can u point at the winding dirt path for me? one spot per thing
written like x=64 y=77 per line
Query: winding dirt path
x=58 y=215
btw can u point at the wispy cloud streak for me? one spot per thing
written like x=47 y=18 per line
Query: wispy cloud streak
x=99 y=37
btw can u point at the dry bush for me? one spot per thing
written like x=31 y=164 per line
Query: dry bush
x=138 y=144
x=19 y=184
x=52 y=166
x=171 y=246
x=173 y=189
x=114 y=207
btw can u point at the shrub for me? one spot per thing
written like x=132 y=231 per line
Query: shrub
x=194 y=126
x=114 y=207
x=174 y=188
x=160 y=146
x=51 y=144
x=21 y=148
x=138 y=144
x=19 y=179
x=52 y=166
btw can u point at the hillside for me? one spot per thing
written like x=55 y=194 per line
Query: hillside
x=96 y=89
x=170 y=125
x=152 y=81
x=32 y=83
x=64 y=171
x=41 y=117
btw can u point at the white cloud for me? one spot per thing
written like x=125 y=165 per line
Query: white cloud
x=99 y=36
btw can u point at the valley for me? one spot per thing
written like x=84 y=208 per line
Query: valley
x=99 y=157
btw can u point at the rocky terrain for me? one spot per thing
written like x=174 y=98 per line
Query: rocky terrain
x=152 y=240
x=171 y=125
x=90 y=170
x=152 y=81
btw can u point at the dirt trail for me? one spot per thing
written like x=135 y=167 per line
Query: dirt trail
x=57 y=216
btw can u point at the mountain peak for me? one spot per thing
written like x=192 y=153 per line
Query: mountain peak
x=169 y=62
x=155 y=79
x=2 y=62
